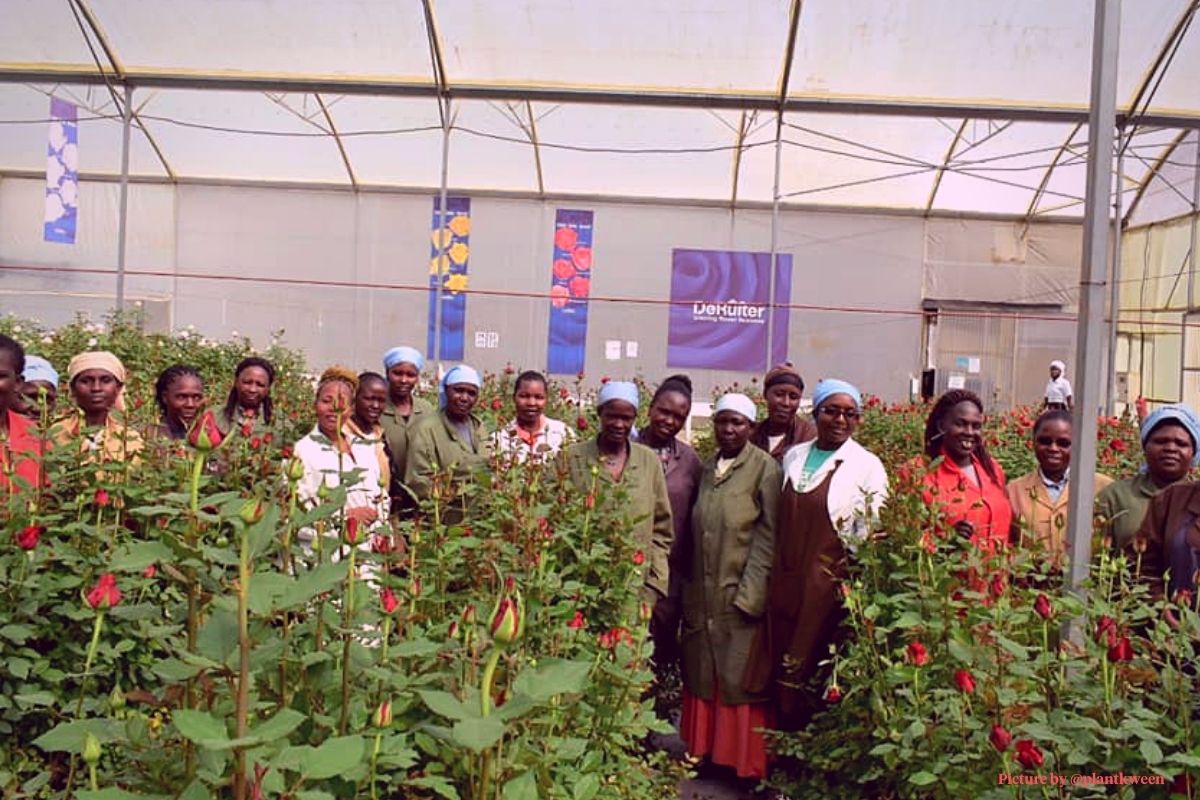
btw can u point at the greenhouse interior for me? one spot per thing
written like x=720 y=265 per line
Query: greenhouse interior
x=918 y=170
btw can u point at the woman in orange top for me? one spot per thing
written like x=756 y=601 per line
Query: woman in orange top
x=968 y=485
x=20 y=448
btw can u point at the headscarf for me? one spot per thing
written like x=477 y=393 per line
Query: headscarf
x=1177 y=413
x=783 y=373
x=1061 y=366
x=39 y=369
x=100 y=359
x=339 y=373
x=828 y=387
x=403 y=355
x=738 y=403
x=618 y=390
x=456 y=375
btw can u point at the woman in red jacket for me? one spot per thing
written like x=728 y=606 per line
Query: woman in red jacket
x=20 y=448
x=968 y=485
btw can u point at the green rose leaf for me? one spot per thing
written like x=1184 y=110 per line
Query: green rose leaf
x=522 y=787
x=478 y=733
x=203 y=729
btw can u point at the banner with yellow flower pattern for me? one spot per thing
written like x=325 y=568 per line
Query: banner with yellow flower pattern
x=448 y=254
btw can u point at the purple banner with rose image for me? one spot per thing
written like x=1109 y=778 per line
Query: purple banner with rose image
x=720 y=309
x=571 y=283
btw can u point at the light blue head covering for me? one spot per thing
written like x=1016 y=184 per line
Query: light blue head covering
x=1178 y=413
x=618 y=390
x=735 y=401
x=460 y=374
x=403 y=355
x=39 y=369
x=829 y=387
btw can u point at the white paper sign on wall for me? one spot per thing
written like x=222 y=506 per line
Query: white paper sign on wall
x=487 y=340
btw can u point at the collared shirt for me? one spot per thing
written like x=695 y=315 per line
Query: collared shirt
x=1058 y=390
x=397 y=429
x=540 y=445
x=984 y=505
x=361 y=468
x=1055 y=488
x=1122 y=506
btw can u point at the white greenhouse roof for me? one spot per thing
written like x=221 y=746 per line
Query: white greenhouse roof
x=937 y=105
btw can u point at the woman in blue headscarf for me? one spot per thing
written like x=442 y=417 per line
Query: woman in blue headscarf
x=402 y=367
x=832 y=491
x=452 y=441
x=1169 y=438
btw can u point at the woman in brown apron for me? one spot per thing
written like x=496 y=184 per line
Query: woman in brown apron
x=832 y=491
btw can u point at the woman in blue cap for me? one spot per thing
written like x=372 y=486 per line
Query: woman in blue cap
x=832 y=491
x=1169 y=437
x=451 y=441
x=630 y=481
x=402 y=367
x=38 y=389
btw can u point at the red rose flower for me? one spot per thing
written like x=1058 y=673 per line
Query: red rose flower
x=998 y=585
x=1000 y=738
x=388 y=600
x=27 y=538
x=917 y=654
x=566 y=238
x=1122 y=650
x=563 y=393
x=1029 y=755
x=1042 y=607
x=104 y=594
x=564 y=270
x=247 y=429
x=382 y=544
x=497 y=404
x=577 y=621
x=101 y=498
x=833 y=694
x=256 y=443
x=639 y=558
x=559 y=296
x=286 y=452
x=582 y=258
x=581 y=423
x=580 y=287
x=1103 y=626
x=964 y=682
x=1118 y=445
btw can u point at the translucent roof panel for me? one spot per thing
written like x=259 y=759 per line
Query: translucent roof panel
x=1170 y=190
x=1001 y=52
x=1178 y=91
x=27 y=112
x=390 y=140
x=38 y=32
x=490 y=148
x=363 y=38
x=243 y=135
x=697 y=45
x=625 y=150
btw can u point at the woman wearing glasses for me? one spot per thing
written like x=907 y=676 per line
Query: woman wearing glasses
x=832 y=491
x=1039 y=499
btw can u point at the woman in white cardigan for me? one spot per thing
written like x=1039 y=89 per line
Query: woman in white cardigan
x=832 y=491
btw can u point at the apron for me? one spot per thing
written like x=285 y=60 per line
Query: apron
x=804 y=607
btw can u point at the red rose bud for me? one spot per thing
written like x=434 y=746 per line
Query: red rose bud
x=286 y=452
x=998 y=585
x=1000 y=738
x=581 y=423
x=150 y=571
x=577 y=622
x=101 y=498
x=639 y=558
x=252 y=510
x=604 y=379
x=27 y=538
x=105 y=594
x=833 y=694
x=452 y=631
x=563 y=394
x=497 y=404
x=414 y=588
x=1029 y=755
x=917 y=654
x=205 y=435
x=352 y=530
x=468 y=615
x=1122 y=650
x=506 y=624
x=589 y=501
x=247 y=429
x=645 y=612
x=256 y=443
x=268 y=437
x=1042 y=606
x=388 y=600
x=964 y=682
x=382 y=718
x=382 y=544
x=1103 y=626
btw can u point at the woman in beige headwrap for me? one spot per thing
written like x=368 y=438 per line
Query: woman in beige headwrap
x=97 y=383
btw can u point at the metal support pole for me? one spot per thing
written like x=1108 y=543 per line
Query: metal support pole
x=1101 y=116
x=1114 y=286
x=774 y=240
x=1191 y=298
x=123 y=212
x=442 y=257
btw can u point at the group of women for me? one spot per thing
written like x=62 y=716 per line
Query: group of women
x=744 y=550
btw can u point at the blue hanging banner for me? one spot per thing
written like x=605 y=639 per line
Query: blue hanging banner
x=450 y=270
x=62 y=173
x=570 y=285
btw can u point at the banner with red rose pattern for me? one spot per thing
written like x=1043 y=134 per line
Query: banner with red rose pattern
x=571 y=282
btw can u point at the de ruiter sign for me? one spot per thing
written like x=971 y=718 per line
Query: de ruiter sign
x=721 y=307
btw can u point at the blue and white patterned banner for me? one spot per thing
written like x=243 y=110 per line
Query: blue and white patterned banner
x=62 y=173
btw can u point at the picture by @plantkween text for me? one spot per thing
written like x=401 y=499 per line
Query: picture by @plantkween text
x=1078 y=779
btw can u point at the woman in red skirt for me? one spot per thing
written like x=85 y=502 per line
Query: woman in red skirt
x=725 y=593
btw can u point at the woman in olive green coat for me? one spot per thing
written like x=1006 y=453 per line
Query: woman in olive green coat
x=451 y=441
x=725 y=593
